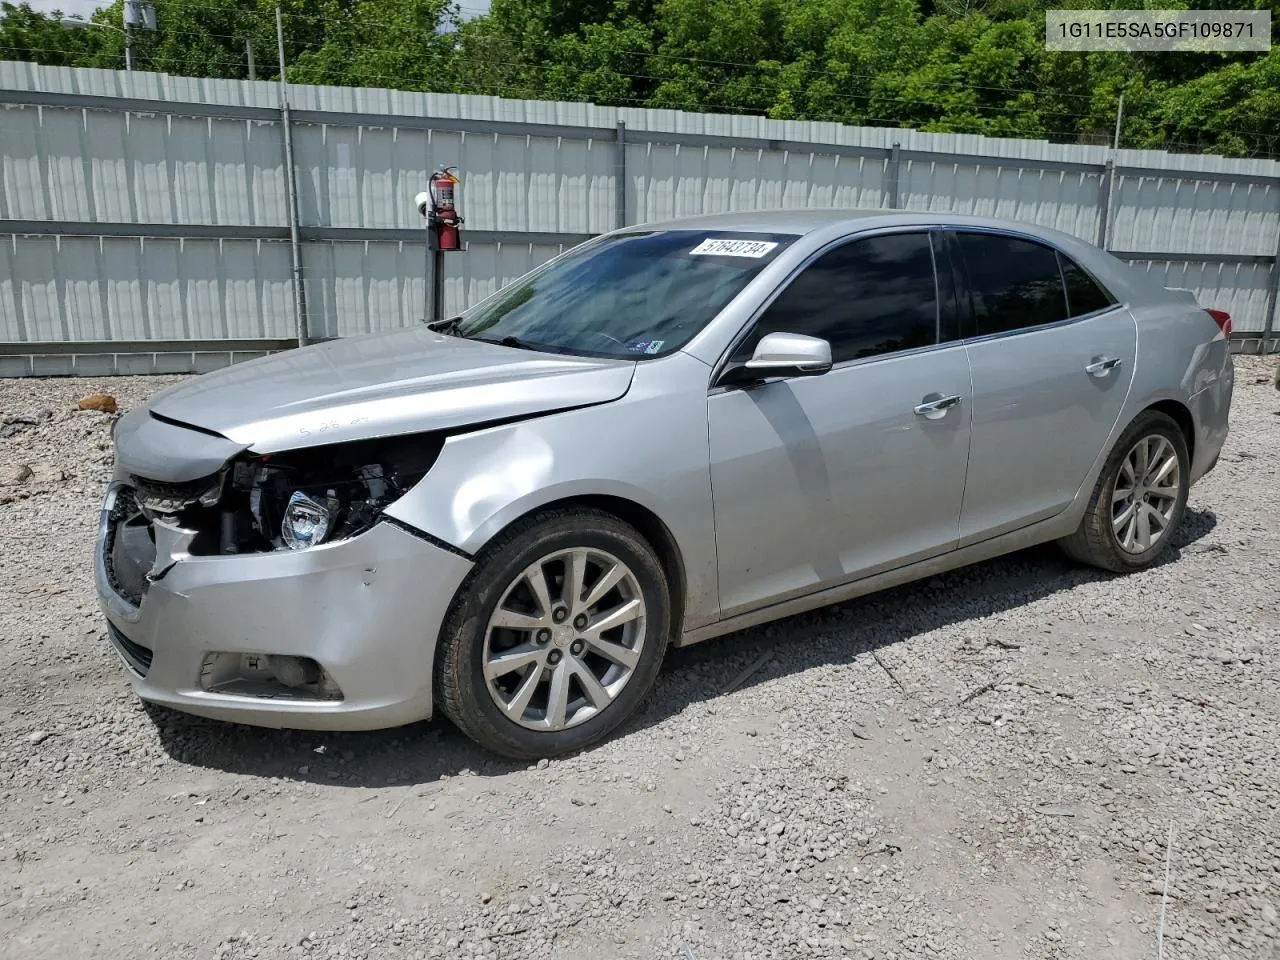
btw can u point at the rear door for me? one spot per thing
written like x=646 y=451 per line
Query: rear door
x=1052 y=355
x=819 y=480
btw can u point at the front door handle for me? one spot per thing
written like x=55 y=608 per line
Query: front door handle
x=936 y=409
x=1102 y=366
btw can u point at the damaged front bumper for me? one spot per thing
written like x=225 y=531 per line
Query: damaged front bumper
x=231 y=637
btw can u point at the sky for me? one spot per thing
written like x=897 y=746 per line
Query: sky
x=72 y=8
x=83 y=8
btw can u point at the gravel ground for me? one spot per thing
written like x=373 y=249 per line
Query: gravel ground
x=1003 y=762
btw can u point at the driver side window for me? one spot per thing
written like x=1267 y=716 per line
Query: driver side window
x=866 y=298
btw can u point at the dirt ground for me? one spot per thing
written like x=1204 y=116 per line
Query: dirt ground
x=1024 y=759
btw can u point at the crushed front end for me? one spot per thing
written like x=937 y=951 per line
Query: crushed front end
x=271 y=589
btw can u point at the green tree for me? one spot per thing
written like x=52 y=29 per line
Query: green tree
x=26 y=34
x=377 y=43
x=1234 y=109
x=966 y=66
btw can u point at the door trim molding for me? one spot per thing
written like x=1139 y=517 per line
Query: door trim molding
x=1042 y=532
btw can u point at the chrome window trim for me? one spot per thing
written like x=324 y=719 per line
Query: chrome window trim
x=1057 y=324
x=718 y=388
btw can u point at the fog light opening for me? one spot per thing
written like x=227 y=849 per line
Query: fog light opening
x=269 y=676
x=295 y=671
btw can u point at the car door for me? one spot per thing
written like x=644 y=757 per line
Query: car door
x=822 y=479
x=1052 y=355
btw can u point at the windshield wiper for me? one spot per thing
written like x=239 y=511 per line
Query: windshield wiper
x=519 y=344
x=510 y=341
x=446 y=326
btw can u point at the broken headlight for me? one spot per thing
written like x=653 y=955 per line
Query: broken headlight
x=306 y=521
x=299 y=499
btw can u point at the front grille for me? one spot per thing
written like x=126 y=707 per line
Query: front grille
x=129 y=552
x=171 y=498
x=135 y=655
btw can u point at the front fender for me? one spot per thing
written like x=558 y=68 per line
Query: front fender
x=649 y=448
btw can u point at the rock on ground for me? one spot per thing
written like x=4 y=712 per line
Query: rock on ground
x=994 y=763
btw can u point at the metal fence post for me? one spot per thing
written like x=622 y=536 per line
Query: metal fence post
x=620 y=177
x=1104 y=203
x=893 y=174
x=295 y=249
x=1273 y=300
x=1109 y=175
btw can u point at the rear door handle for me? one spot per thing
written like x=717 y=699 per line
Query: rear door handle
x=935 y=409
x=1102 y=366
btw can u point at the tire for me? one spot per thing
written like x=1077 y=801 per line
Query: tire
x=1097 y=540
x=498 y=619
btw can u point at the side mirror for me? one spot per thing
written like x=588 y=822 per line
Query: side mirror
x=783 y=355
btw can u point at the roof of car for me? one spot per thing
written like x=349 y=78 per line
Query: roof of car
x=802 y=221
x=797 y=222
x=1127 y=281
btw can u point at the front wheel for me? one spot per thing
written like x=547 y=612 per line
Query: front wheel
x=1138 y=500
x=557 y=635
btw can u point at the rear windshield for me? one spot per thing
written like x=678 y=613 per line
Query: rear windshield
x=634 y=296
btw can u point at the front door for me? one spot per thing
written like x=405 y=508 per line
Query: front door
x=821 y=480
x=1052 y=359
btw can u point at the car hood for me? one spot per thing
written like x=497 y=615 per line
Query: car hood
x=406 y=381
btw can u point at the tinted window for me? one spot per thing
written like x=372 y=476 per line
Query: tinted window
x=1013 y=283
x=631 y=296
x=1083 y=295
x=865 y=298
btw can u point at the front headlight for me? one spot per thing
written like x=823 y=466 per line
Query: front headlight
x=295 y=499
x=306 y=521
x=303 y=498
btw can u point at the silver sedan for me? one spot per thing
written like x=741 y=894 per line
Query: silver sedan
x=669 y=433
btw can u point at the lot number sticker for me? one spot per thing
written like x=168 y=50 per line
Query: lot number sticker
x=733 y=248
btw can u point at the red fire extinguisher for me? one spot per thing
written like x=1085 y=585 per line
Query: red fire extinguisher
x=444 y=210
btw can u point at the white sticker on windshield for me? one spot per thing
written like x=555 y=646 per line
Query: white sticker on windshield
x=720 y=247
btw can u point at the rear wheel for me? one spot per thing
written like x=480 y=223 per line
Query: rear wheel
x=1138 y=500
x=557 y=635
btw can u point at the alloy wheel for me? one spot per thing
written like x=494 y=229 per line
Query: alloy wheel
x=1145 y=495
x=564 y=639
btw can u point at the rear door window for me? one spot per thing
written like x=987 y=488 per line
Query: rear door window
x=1014 y=284
x=1084 y=294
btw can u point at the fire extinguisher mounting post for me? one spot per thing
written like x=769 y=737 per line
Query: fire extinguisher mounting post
x=439 y=207
x=437 y=285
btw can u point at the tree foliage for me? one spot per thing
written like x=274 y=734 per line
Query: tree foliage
x=964 y=66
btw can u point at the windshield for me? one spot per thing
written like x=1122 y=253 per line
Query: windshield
x=634 y=296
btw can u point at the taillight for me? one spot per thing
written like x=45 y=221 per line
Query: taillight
x=1223 y=320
